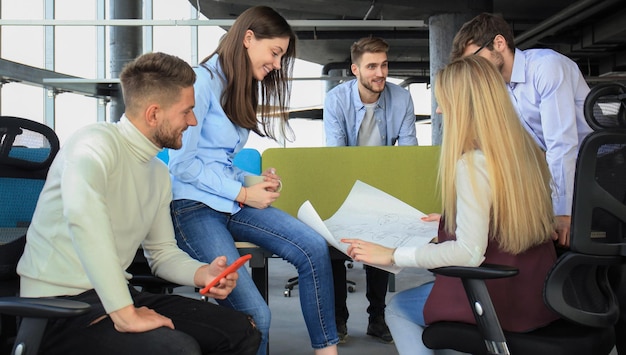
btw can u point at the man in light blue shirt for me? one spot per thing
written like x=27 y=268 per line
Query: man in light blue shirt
x=548 y=91
x=346 y=105
x=367 y=111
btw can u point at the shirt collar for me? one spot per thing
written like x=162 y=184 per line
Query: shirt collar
x=518 y=74
x=139 y=145
x=356 y=98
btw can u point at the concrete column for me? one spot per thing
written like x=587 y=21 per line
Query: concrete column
x=126 y=44
x=441 y=31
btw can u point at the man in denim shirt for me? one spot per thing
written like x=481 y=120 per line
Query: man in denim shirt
x=367 y=111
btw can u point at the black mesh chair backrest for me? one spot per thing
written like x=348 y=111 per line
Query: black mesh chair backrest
x=579 y=286
x=579 y=290
x=27 y=148
x=600 y=200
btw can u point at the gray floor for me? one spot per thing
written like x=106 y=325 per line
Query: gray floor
x=288 y=335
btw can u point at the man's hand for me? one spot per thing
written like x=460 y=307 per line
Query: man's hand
x=562 y=230
x=207 y=273
x=136 y=320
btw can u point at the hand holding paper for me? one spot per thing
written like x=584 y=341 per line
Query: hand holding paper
x=370 y=253
x=374 y=216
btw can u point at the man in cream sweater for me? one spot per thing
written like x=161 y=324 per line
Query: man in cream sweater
x=105 y=196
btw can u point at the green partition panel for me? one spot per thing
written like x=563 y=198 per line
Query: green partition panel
x=325 y=175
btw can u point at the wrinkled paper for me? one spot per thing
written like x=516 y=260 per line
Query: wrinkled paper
x=372 y=215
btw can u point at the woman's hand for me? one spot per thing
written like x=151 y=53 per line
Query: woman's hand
x=260 y=195
x=263 y=194
x=270 y=175
x=370 y=253
x=431 y=217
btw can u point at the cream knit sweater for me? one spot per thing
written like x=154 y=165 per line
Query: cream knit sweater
x=106 y=194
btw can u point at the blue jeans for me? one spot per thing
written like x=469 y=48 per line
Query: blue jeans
x=405 y=318
x=206 y=234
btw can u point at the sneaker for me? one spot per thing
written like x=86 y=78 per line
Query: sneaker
x=342 y=330
x=378 y=328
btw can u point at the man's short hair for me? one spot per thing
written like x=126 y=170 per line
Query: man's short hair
x=157 y=76
x=367 y=45
x=481 y=30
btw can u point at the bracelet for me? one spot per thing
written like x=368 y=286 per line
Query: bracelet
x=393 y=260
x=245 y=196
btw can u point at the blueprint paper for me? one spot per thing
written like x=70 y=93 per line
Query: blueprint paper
x=371 y=215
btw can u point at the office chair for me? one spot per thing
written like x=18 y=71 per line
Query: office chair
x=579 y=287
x=27 y=149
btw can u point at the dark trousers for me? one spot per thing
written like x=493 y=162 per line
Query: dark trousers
x=201 y=328
x=375 y=289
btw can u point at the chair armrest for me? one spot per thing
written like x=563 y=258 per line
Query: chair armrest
x=483 y=272
x=42 y=307
x=35 y=313
x=473 y=279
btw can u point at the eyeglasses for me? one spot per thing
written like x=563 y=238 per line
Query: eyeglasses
x=484 y=45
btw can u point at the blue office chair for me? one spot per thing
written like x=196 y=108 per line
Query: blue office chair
x=248 y=159
x=580 y=287
x=27 y=149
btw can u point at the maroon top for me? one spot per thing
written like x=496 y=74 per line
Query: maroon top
x=518 y=300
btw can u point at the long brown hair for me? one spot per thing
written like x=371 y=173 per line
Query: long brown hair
x=240 y=99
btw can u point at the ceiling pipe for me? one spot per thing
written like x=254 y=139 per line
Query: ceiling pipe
x=370 y=10
x=336 y=65
x=393 y=66
x=569 y=15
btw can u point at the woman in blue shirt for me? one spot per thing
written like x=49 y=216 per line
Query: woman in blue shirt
x=241 y=87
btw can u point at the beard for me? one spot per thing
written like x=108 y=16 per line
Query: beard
x=167 y=138
x=370 y=87
x=498 y=60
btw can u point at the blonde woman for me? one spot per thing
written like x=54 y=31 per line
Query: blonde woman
x=495 y=187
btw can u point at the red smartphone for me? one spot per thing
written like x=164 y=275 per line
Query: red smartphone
x=231 y=268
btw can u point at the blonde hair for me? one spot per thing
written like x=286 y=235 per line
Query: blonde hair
x=478 y=115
